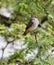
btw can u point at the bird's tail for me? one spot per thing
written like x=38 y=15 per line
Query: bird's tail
x=24 y=33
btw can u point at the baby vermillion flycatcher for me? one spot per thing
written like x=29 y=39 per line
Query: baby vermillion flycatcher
x=32 y=25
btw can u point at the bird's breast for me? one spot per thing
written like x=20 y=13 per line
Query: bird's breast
x=35 y=23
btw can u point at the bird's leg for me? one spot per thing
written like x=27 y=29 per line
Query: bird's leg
x=35 y=34
x=32 y=32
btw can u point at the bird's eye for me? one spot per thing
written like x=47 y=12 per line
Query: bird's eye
x=32 y=18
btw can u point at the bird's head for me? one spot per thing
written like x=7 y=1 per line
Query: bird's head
x=35 y=19
x=33 y=16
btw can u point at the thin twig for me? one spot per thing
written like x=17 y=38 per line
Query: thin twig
x=6 y=47
x=3 y=51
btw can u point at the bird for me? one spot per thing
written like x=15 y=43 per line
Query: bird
x=33 y=24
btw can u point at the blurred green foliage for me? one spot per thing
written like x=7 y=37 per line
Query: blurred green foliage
x=23 y=9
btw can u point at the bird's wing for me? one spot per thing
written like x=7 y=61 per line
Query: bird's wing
x=29 y=24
